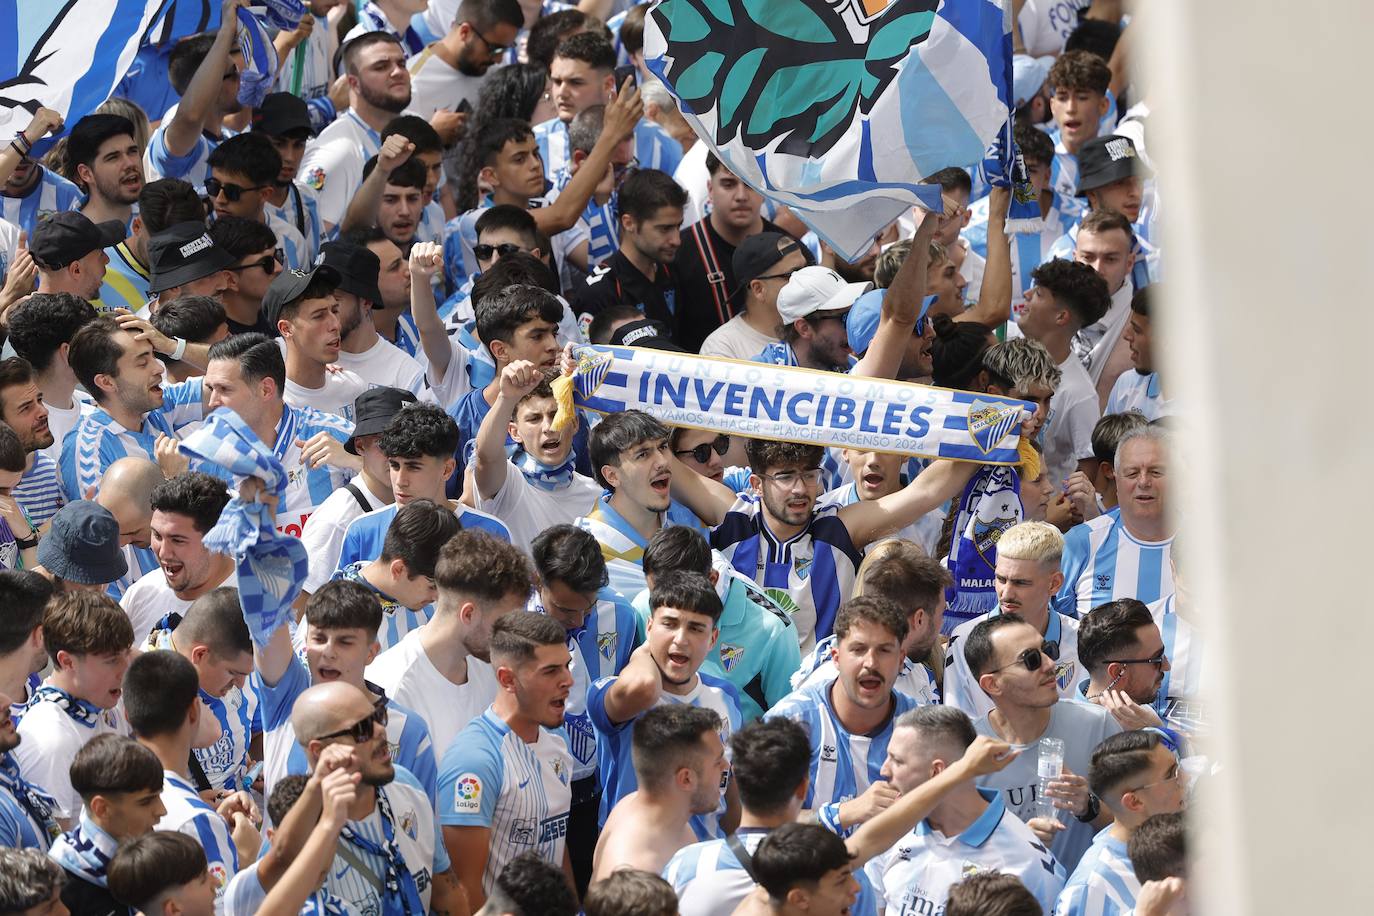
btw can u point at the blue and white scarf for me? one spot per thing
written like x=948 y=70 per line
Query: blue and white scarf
x=39 y=804
x=271 y=567
x=260 y=62
x=989 y=505
x=541 y=475
x=401 y=894
x=85 y=850
x=82 y=712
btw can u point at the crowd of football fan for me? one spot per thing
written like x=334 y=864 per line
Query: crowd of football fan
x=619 y=668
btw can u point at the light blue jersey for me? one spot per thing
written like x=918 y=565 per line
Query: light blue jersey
x=193 y=168
x=654 y=147
x=51 y=194
x=1028 y=250
x=188 y=813
x=39 y=492
x=1103 y=562
x=843 y=764
x=622 y=546
x=1103 y=884
x=301 y=209
x=601 y=221
x=26 y=812
x=98 y=441
x=600 y=648
x=365 y=535
x=306 y=488
x=397 y=620
x=520 y=792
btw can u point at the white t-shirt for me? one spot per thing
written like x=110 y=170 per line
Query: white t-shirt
x=1069 y=429
x=434 y=84
x=408 y=676
x=324 y=530
x=385 y=364
x=737 y=339
x=340 y=390
x=527 y=509
x=150 y=599
x=1135 y=392
x=692 y=176
x=51 y=739
x=333 y=163
x=1046 y=25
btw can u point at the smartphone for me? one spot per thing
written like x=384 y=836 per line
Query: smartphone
x=464 y=107
x=627 y=72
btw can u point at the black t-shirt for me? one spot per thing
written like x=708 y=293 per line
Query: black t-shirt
x=80 y=896
x=619 y=281
x=258 y=327
x=701 y=305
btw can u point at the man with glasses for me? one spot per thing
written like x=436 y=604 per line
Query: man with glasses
x=186 y=262
x=1010 y=660
x=242 y=170
x=452 y=70
x=1127 y=661
x=1136 y=774
x=502 y=231
x=761 y=266
x=253 y=246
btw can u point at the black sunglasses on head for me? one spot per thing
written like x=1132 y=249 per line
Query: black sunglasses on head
x=505 y=249
x=362 y=730
x=232 y=192
x=1032 y=659
x=702 y=453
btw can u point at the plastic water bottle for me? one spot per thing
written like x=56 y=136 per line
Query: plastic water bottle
x=1049 y=767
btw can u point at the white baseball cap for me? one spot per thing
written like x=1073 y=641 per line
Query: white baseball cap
x=816 y=289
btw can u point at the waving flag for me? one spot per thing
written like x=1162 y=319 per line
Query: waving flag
x=838 y=108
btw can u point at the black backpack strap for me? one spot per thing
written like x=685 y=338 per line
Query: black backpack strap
x=737 y=847
x=359 y=497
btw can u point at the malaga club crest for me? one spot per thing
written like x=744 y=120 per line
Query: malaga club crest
x=988 y=423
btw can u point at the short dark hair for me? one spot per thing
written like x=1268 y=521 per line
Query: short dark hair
x=957 y=353
x=1110 y=430
x=991 y=893
x=666 y=737
x=685 y=591
x=1035 y=145
x=590 y=48
x=418 y=531
x=771 y=758
x=765 y=454
x=420 y=431
x=518 y=269
x=1096 y=36
x=28 y=878
x=510 y=218
x=94 y=351
x=89 y=133
x=112 y=764
x=417 y=130
x=1120 y=758
x=883 y=612
x=568 y=554
x=40 y=325
x=13 y=458
x=617 y=433
x=23 y=595
x=196 y=495
x=646 y=192
x=548 y=33
x=911 y=580
x=1099 y=221
x=409 y=174
x=85 y=623
x=249 y=154
x=194 y=318
x=492 y=137
x=500 y=316
x=1140 y=301
x=599 y=331
x=1159 y=847
x=185 y=59
x=285 y=794
x=979 y=651
x=241 y=237
x=951 y=178
x=631 y=892
x=480 y=566
x=1080 y=71
x=215 y=620
x=348 y=54
x=1076 y=287
x=677 y=547
x=167 y=201
x=485 y=15
x=1108 y=630
x=148 y=866
x=15 y=370
x=160 y=688
x=797 y=855
x=516 y=636
x=344 y=605
x=258 y=357
x=530 y=886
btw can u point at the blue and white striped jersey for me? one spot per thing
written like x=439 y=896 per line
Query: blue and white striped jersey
x=600 y=648
x=39 y=492
x=602 y=225
x=371 y=18
x=621 y=545
x=194 y=167
x=808 y=576
x=397 y=620
x=709 y=880
x=51 y=194
x=306 y=488
x=1028 y=250
x=1103 y=562
x=308 y=71
x=417 y=834
x=301 y=209
x=520 y=792
x=654 y=147
x=126 y=281
x=26 y=811
x=289 y=239
x=914 y=876
x=1064 y=178
x=915 y=680
x=98 y=441
x=245 y=894
x=843 y=764
x=1137 y=392
x=282 y=756
x=363 y=540
x=187 y=813
x=961 y=687
x=1103 y=884
x=333 y=164
x=141 y=561
x=614 y=739
x=1179 y=701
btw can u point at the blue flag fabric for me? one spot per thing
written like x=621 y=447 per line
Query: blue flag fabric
x=271 y=567
x=259 y=54
x=838 y=109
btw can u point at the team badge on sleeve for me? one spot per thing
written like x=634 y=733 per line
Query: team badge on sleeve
x=467 y=793
x=315 y=178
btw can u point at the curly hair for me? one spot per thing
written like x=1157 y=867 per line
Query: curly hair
x=1076 y=287
x=1080 y=71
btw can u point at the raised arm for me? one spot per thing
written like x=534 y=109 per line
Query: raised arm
x=44 y=122
x=708 y=499
x=636 y=689
x=184 y=129
x=869 y=520
x=291 y=835
x=302 y=879
x=994 y=299
x=425 y=259
x=490 y=462
x=901 y=306
x=362 y=209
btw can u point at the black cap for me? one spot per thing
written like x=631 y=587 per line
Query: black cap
x=756 y=254
x=183 y=253
x=69 y=236
x=358 y=268
x=280 y=113
x=374 y=409
x=646 y=333
x=287 y=288
x=1103 y=160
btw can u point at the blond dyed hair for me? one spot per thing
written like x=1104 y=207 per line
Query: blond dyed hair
x=1037 y=541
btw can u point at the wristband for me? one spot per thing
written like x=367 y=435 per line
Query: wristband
x=28 y=542
x=180 y=350
x=21 y=144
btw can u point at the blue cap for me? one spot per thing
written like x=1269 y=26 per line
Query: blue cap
x=1028 y=74
x=862 y=322
x=82 y=545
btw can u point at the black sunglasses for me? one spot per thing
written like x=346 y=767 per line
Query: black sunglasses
x=232 y=192
x=363 y=729
x=1157 y=660
x=1032 y=659
x=505 y=249
x=268 y=264
x=702 y=453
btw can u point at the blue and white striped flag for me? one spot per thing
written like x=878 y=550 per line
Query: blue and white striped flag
x=838 y=108
x=66 y=55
